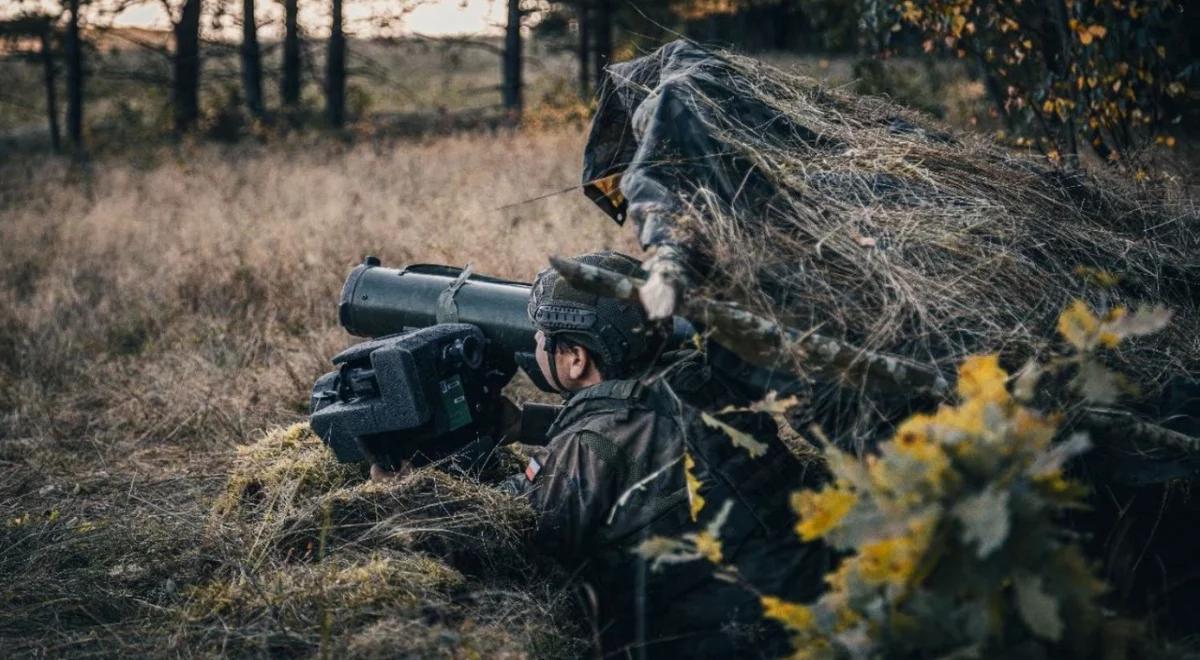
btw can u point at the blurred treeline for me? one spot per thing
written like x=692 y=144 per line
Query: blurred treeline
x=1057 y=76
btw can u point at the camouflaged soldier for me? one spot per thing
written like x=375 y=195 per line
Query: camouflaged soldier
x=612 y=475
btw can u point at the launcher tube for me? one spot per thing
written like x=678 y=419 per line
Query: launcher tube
x=378 y=301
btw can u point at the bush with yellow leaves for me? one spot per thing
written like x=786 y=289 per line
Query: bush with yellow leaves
x=951 y=531
x=952 y=536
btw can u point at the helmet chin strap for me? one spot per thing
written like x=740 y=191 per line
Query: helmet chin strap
x=551 y=347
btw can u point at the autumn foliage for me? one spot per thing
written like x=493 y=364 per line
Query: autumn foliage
x=951 y=535
x=951 y=531
x=1100 y=71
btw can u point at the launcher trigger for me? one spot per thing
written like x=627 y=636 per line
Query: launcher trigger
x=344 y=390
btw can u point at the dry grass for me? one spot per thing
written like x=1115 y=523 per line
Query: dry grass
x=319 y=558
x=154 y=315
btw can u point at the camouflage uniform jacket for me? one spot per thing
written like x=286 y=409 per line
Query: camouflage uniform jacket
x=613 y=476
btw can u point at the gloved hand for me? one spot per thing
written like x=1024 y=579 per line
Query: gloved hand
x=661 y=292
x=508 y=421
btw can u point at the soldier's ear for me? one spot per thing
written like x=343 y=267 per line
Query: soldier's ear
x=578 y=362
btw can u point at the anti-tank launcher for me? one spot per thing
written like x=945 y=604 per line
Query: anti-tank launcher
x=443 y=344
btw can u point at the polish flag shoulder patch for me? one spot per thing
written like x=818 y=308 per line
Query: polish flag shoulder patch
x=531 y=470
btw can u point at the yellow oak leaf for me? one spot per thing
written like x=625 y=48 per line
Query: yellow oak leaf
x=695 y=500
x=821 y=511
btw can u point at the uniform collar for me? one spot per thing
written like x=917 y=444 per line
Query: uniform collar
x=606 y=389
x=577 y=403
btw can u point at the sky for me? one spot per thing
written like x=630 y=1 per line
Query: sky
x=431 y=17
x=456 y=16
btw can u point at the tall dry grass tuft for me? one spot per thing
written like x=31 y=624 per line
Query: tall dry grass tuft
x=156 y=313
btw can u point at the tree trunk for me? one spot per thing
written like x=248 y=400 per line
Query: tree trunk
x=1058 y=17
x=585 y=49
x=74 y=55
x=290 y=88
x=783 y=15
x=187 y=66
x=995 y=93
x=251 y=61
x=335 y=70
x=512 y=61
x=602 y=49
x=51 y=92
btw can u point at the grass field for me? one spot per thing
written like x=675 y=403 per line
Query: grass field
x=235 y=256
x=155 y=315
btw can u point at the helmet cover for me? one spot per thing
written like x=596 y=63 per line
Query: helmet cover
x=618 y=331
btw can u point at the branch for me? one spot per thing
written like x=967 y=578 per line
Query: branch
x=150 y=46
x=468 y=42
x=764 y=343
x=1119 y=423
x=110 y=73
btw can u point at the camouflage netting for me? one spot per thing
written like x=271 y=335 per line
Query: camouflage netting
x=764 y=193
x=874 y=225
x=320 y=560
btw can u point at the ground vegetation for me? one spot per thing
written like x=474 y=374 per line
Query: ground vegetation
x=163 y=321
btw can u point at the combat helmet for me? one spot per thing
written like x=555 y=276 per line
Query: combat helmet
x=617 y=331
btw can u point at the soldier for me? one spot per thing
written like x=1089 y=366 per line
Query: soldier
x=612 y=475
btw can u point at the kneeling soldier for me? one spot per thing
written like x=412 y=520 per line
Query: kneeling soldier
x=613 y=475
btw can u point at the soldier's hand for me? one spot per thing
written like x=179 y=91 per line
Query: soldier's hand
x=660 y=294
x=508 y=421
